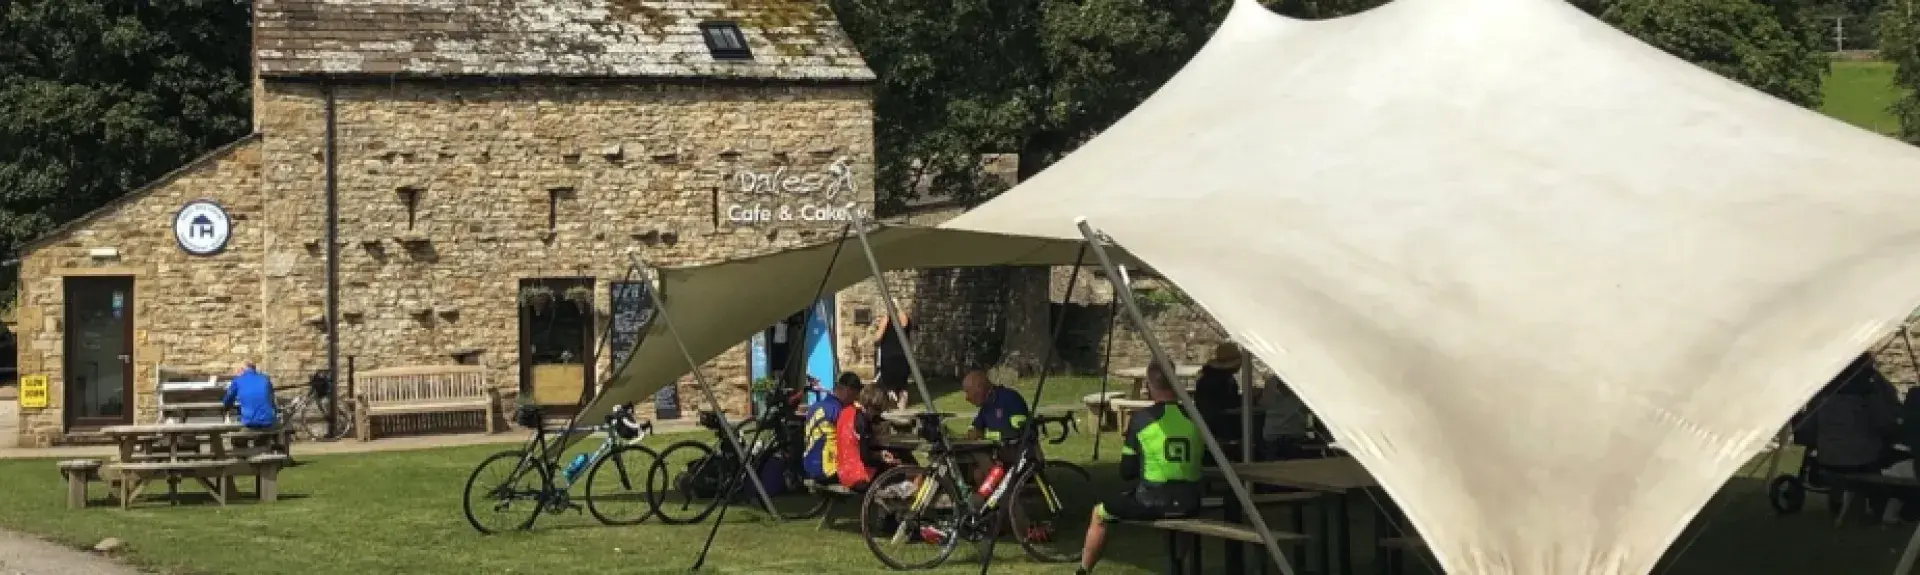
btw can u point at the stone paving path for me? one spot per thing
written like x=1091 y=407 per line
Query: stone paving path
x=24 y=555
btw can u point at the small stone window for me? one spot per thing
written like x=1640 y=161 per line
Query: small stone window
x=410 y=196
x=862 y=316
x=725 y=41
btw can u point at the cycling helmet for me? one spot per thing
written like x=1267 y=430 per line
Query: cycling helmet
x=624 y=425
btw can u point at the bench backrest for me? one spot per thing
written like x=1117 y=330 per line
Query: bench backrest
x=422 y=383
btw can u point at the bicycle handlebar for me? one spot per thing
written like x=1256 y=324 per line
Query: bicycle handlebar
x=1068 y=424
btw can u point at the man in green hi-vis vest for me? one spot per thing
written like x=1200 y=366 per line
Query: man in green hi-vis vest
x=1161 y=454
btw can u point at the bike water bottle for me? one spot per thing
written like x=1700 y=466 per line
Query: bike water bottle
x=993 y=480
x=573 y=469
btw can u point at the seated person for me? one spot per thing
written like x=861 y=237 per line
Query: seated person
x=821 y=461
x=253 y=392
x=860 y=456
x=1216 y=391
x=1161 y=454
x=1003 y=415
x=1002 y=411
x=1283 y=433
x=1854 y=428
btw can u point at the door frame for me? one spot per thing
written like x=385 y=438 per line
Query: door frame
x=68 y=420
x=589 y=353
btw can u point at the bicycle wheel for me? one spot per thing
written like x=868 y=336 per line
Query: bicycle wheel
x=617 y=486
x=1051 y=512
x=505 y=487
x=909 y=517
x=685 y=482
x=313 y=418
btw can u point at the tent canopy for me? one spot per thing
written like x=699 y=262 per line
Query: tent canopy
x=1552 y=285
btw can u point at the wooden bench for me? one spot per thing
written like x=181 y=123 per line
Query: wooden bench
x=1196 y=528
x=135 y=476
x=834 y=494
x=1265 y=499
x=78 y=473
x=266 y=475
x=422 y=390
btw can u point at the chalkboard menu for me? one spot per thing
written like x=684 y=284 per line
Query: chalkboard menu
x=632 y=314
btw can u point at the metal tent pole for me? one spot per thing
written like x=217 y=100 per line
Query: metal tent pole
x=893 y=311
x=1106 y=371
x=720 y=414
x=1124 y=293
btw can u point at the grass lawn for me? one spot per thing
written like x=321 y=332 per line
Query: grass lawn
x=1859 y=93
x=399 y=512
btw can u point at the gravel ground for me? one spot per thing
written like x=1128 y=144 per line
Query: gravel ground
x=23 y=555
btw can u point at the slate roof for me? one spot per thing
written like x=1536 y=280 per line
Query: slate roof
x=790 y=39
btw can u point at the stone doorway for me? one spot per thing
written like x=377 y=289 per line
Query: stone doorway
x=97 y=368
x=556 y=343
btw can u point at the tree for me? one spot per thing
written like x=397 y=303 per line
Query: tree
x=98 y=97
x=1899 y=29
x=1774 y=46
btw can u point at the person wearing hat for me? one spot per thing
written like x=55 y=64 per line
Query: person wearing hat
x=1217 y=392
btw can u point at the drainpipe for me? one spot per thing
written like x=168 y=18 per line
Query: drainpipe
x=333 y=262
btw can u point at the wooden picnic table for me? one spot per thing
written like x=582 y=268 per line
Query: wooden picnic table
x=1336 y=476
x=174 y=451
x=171 y=451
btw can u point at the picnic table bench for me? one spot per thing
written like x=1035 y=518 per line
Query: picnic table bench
x=1194 y=529
x=422 y=390
x=172 y=453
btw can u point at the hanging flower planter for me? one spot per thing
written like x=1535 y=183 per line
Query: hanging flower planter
x=537 y=297
x=580 y=296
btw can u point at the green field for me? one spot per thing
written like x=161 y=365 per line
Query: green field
x=1860 y=93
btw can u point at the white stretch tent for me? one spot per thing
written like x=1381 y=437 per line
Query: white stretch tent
x=1551 y=285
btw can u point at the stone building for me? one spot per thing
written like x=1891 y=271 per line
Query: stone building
x=481 y=164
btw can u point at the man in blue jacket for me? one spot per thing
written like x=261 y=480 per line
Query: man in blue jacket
x=254 y=393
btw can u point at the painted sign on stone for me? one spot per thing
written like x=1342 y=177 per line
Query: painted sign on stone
x=787 y=194
x=202 y=228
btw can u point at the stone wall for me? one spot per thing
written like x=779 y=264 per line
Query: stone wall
x=647 y=169
x=187 y=310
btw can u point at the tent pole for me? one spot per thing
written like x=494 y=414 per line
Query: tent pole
x=1124 y=293
x=893 y=311
x=727 y=431
x=1106 y=371
x=1246 y=405
x=1907 y=557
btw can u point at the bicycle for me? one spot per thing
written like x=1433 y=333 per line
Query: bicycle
x=909 y=508
x=307 y=413
x=539 y=462
x=713 y=472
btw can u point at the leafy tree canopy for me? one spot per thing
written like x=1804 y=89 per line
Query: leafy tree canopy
x=99 y=97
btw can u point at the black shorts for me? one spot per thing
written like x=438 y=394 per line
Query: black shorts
x=1128 y=505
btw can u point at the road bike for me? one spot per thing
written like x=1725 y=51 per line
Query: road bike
x=928 y=511
x=531 y=480
x=306 y=414
x=692 y=478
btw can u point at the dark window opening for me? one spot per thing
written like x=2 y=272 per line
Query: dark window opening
x=725 y=41
x=553 y=207
x=411 y=197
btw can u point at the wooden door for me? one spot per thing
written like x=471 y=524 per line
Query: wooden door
x=97 y=372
